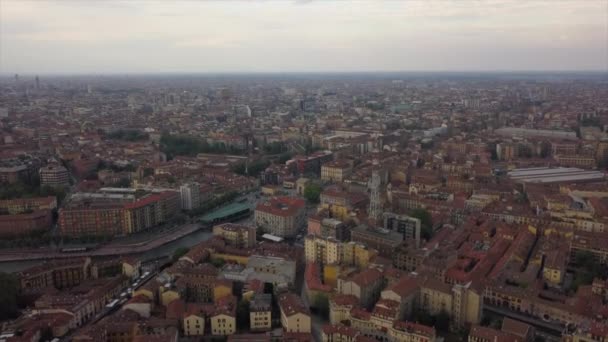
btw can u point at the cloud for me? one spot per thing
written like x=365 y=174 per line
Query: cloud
x=301 y=35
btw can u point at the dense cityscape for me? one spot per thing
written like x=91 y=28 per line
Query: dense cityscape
x=411 y=207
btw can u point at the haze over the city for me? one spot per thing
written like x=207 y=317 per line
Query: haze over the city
x=301 y=36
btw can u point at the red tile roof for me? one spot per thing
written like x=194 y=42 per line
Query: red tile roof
x=282 y=206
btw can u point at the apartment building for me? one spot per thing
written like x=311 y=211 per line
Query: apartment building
x=295 y=316
x=365 y=285
x=281 y=216
x=260 y=312
x=382 y=240
x=336 y=171
x=150 y=211
x=236 y=235
x=408 y=226
x=190 y=196
x=54 y=175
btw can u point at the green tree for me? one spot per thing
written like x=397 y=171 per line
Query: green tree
x=442 y=321
x=9 y=289
x=426 y=222
x=128 y=135
x=275 y=147
x=321 y=304
x=148 y=171
x=180 y=252
x=312 y=193
x=588 y=268
x=242 y=315
x=423 y=317
x=253 y=169
x=218 y=263
x=284 y=157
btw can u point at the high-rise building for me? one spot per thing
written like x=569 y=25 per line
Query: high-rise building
x=408 y=226
x=383 y=240
x=37 y=83
x=374 y=195
x=190 y=196
x=54 y=175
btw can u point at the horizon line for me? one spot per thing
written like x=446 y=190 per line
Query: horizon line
x=320 y=72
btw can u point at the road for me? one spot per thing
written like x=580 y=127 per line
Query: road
x=110 y=249
x=108 y=311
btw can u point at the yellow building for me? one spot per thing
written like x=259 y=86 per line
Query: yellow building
x=194 y=324
x=271 y=190
x=329 y=251
x=554 y=268
x=295 y=316
x=149 y=290
x=357 y=254
x=330 y=275
x=167 y=296
x=340 y=203
x=236 y=235
x=322 y=250
x=21 y=205
x=223 y=324
x=239 y=259
x=222 y=289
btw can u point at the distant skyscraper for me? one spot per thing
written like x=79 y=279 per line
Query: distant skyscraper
x=408 y=226
x=37 y=83
x=16 y=77
x=190 y=196
x=374 y=196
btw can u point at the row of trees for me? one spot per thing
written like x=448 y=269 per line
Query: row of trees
x=184 y=145
x=253 y=169
x=128 y=135
x=587 y=269
x=426 y=222
x=30 y=189
x=275 y=147
x=8 y=296
x=312 y=193
x=179 y=252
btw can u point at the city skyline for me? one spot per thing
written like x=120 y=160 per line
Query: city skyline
x=301 y=36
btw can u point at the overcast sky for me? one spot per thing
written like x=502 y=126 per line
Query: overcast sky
x=124 y=36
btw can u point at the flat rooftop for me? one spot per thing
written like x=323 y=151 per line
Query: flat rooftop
x=555 y=175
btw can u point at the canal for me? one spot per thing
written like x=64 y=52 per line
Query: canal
x=164 y=250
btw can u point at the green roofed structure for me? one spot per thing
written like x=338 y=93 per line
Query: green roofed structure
x=227 y=213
